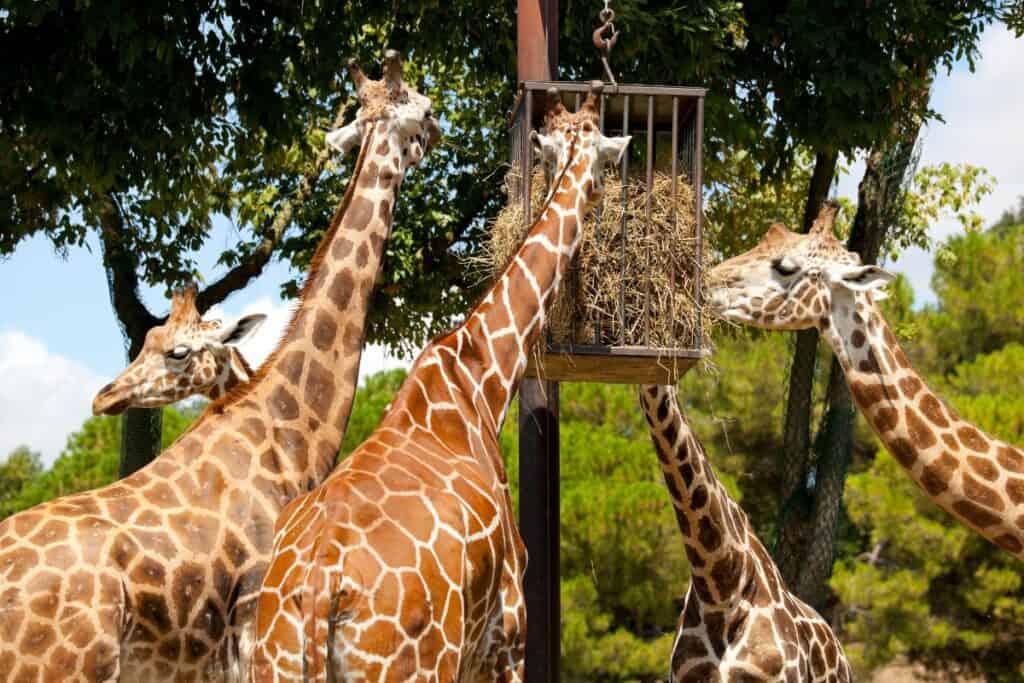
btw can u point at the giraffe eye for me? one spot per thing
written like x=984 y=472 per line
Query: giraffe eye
x=784 y=267
x=179 y=353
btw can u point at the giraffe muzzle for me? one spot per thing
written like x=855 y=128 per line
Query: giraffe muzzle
x=110 y=400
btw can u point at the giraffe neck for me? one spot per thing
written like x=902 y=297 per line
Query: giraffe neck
x=715 y=530
x=974 y=477
x=234 y=371
x=501 y=330
x=308 y=383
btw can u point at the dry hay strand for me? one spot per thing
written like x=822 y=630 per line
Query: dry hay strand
x=632 y=289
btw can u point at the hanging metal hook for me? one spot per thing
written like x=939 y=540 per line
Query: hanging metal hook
x=605 y=44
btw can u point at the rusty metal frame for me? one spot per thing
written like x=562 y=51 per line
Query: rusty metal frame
x=681 y=111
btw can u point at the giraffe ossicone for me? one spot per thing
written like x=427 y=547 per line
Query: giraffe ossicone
x=406 y=562
x=185 y=356
x=792 y=281
x=739 y=621
x=155 y=577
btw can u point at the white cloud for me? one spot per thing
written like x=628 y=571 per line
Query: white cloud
x=257 y=347
x=44 y=396
x=982 y=112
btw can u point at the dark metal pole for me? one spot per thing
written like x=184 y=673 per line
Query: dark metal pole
x=537 y=59
x=538 y=523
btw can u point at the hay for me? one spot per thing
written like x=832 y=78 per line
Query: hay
x=657 y=268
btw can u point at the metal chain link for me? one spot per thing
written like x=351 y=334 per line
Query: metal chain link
x=605 y=44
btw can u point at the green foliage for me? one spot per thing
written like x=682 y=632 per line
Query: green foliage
x=939 y=191
x=844 y=90
x=88 y=461
x=979 y=287
x=368 y=406
x=18 y=469
x=1010 y=217
x=182 y=112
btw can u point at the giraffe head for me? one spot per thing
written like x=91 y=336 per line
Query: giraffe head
x=183 y=357
x=402 y=118
x=790 y=281
x=567 y=136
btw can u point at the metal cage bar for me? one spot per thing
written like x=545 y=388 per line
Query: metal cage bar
x=677 y=113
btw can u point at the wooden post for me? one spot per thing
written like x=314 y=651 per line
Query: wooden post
x=537 y=59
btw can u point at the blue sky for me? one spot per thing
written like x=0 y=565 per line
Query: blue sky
x=59 y=340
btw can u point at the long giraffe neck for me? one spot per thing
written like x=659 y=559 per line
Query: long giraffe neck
x=501 y=330
x=233 y=371
x=715 y=530
x=308 y=383
x=977 y=479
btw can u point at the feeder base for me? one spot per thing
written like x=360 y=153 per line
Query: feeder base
x=613 y=364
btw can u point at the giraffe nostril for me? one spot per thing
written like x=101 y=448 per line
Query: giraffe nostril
x=107 y=388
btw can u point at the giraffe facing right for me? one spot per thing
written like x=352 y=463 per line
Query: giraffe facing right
x=739 y=622
x=406 y=564
x=185 y=356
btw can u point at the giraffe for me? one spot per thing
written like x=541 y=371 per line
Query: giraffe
x=791 y=281
x=185 y=356
x=407 y=561
x=739 y=621
x=155 y=577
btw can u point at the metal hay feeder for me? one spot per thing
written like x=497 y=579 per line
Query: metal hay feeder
x=656 y=116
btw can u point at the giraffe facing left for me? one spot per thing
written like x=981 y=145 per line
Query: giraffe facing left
x=185 y=356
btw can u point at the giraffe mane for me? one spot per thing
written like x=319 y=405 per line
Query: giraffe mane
x=511 y=257
x=237 y=393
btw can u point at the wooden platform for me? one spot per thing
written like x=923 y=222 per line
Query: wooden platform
x=613 y=364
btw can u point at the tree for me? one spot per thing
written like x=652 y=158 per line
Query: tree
x=89 y=460
x=171 y=115
x=1010 y=217
x=981 y=272
x=368 y=408
x=19 y=468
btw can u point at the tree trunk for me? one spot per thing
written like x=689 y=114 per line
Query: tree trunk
x=878 y=193
x=794 y=508
x=141 y=429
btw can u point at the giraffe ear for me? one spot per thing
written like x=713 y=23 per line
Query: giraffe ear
x=243 y=328
x=345 y=138
x=863 y=278
x=612 y=149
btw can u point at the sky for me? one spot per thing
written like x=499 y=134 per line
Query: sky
x=59 y=339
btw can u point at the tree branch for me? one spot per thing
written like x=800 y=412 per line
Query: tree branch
x=252 y=265
x=122 y=275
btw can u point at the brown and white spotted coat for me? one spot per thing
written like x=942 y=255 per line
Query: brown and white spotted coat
x=155 y=577
x=791 y=281
x=406 y=564
x=186 y=356
x=739 y=622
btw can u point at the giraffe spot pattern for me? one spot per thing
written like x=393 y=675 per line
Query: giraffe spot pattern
x=937 y=475
x=975 y=514
x=932 y=410
x=972 y=438
x=981 y=494
x=921 y=436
